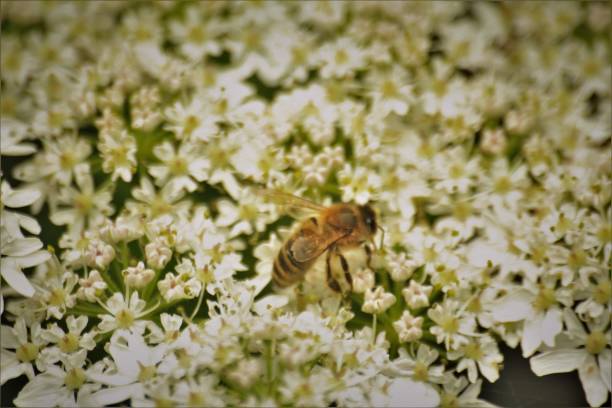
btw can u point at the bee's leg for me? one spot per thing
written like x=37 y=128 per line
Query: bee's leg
x=345 y=269
x=331 y=281
x=299 y=297
x=368 y=251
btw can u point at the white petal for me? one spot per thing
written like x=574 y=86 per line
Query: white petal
x=404 y=392
x=21 y=198
x=29 y=224
x=574 y=326
x=8 y=338
x=110 y=395
x=489 y=371
x=164 y=151
x=513 y=307
x=605 y=366
x=33 y=259
x=532 y=336
x=45 y=390
x=21 y=149
x=594 y=388
x=9 y=366
x=63 y=217
x=557 y=361
x=551 y=326
x=22 y=246
x=15 y=278
x=268 y=303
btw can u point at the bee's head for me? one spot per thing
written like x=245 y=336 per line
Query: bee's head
x=369 y=218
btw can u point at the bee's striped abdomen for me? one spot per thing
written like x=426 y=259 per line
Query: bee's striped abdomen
x=287 y=270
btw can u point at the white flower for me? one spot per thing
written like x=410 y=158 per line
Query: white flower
x=157 y=253
x=358 y=185
x=421 y=367
x=136 y=363
x=180 y=169
x=459 y=392
x=82 y=207
x=539 y=309
x=592 y=358
x=250 y=214
x=408 y=327
x=451 y=327
x=340 y=58
x=99 y=254
x=363 y=279
x=138 y=276
x=493 y=141
x=183 y=285
x=246 y=372
x=377 y=300
x=72 y=340
x=416 y=295
x=17 y=254
x=118 y=151
x=56 y=386
x=12 y=222
x=401 y=267
x=481 y=351
x=57 y=293
x=91 y=287
x=27 y=350
x=123 y=315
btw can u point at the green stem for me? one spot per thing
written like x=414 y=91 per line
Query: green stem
x=200 y=298
x=374 y=321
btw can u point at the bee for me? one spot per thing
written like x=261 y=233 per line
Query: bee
x=322 y=229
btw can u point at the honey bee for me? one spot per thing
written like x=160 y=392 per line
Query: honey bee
x=322 y=229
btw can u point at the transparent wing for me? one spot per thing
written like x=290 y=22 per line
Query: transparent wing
x=309 y=244
x=294 y=206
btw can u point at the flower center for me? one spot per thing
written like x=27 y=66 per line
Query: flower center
x=146 y=372
x=74 y=378
x=473 y=351
x=163 y=403
x=389 y=90
x=420 y=372
x=545 y=299
x=125 y=318
x=448 y=401
x=57 y=297
x=178 y=166
x=341 y=57
x=603 y=292
x=69 y=343
x=196 y=399
x=577 y=258
x=502 y=185
x=604 y=234
x=67 y=160
x=595 y=342
x=196 y=34
x=83 y=203
x=27 y=352
x=449 y=323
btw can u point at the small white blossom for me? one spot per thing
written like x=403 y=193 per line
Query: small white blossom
x=377 y=300
x=408 y=327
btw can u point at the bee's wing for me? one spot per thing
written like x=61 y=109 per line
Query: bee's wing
x=310 y=244
x=294 y=206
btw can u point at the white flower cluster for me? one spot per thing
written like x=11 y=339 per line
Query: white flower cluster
x=134 y=136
